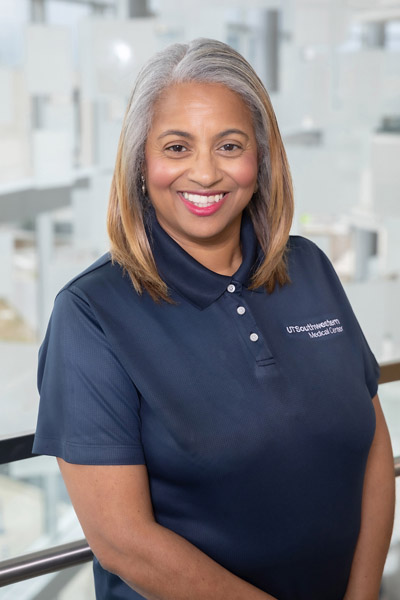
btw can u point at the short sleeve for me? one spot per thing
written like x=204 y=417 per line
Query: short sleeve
x=371 y=366
x=89 y=410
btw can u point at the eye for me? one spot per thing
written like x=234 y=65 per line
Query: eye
x=176 y=148
x=230 y=147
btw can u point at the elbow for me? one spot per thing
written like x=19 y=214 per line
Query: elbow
x=114 y=561
x=108 y=561
x=128 y=566
x=123 y=560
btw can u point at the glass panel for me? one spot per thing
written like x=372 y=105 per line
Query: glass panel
x=35 y=510
x=337 y=100
x=76 y=583
x=35 y=514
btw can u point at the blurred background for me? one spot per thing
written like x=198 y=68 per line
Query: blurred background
x=332 y=68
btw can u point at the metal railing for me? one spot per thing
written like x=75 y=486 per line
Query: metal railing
x=16 y=448
x=54 y=559
x=43 y=562
x=76 y=553
x=397 y=466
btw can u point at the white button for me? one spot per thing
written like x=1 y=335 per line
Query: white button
x=253 y=337
x=231 y=288
x=241 y=310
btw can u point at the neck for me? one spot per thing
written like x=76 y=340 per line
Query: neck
x=222 y=254
x=222 y=259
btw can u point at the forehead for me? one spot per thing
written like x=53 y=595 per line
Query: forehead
x=194 y=103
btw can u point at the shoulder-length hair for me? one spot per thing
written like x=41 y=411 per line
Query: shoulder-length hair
x=271 y=207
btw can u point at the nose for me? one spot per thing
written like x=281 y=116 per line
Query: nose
x=204 y=169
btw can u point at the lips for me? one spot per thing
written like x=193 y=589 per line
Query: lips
x=205 y=204
x=203 y=200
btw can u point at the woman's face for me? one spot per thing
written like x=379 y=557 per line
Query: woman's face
x=200 y=162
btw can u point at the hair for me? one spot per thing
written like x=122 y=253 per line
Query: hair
x=270 y=208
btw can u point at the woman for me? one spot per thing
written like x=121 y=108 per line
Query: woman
x=206 y=388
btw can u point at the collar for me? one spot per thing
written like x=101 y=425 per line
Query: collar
x=188 y=277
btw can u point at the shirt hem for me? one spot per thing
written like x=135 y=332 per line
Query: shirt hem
x=89 y=455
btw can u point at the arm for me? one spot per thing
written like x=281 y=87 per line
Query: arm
x=376 y=516
x=114 y=507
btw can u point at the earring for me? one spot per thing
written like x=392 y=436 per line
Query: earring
x=143 y=185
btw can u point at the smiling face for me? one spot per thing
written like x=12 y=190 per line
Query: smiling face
x=201 y=163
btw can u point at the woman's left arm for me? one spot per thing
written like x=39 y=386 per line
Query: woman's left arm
x=376 y=516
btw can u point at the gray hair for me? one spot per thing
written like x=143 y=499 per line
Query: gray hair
x=271 y=206
x=202 y=60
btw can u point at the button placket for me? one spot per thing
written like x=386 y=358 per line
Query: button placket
x=247 y=326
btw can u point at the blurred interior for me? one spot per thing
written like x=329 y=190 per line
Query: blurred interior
x=332 y=68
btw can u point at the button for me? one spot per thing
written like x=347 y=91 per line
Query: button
x=231 y=288
x=240 y=310
x=253 y=337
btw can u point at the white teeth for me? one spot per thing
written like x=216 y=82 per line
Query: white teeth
x=199 y=200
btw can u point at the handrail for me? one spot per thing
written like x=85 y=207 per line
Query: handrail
x=76 y=553
x=20 y=447
x=61 y=557
x=43 y=562
x=390 y=372
x=16 y=448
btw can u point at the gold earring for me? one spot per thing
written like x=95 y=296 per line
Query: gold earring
x=143 y=185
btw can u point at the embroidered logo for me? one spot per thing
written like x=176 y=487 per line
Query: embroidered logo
x=317 y=330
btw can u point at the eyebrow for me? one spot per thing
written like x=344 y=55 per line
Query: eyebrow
x=177 y=132
x=189 y=136
x=229 y=131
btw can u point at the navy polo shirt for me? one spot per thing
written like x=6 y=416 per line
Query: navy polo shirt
x=252 y=411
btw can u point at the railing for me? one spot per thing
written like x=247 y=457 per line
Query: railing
x=390 y=372
x=76 y=553
x=43 y=562
x=16 y=448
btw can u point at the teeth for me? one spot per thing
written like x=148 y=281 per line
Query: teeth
x=199 y=200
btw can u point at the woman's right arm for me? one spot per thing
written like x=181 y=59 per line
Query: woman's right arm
x=113 y=505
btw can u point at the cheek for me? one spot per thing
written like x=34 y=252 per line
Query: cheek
x=160 y=173
x=245 y=174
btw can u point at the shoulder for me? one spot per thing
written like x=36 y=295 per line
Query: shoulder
x=94 y=273
x=298 y=244
x=84 y=304
x=101 y=297
x=307 y=263
x=301 y=250
x=97 y=280
x=94 y=296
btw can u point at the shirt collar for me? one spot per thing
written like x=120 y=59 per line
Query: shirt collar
x=184 y=274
